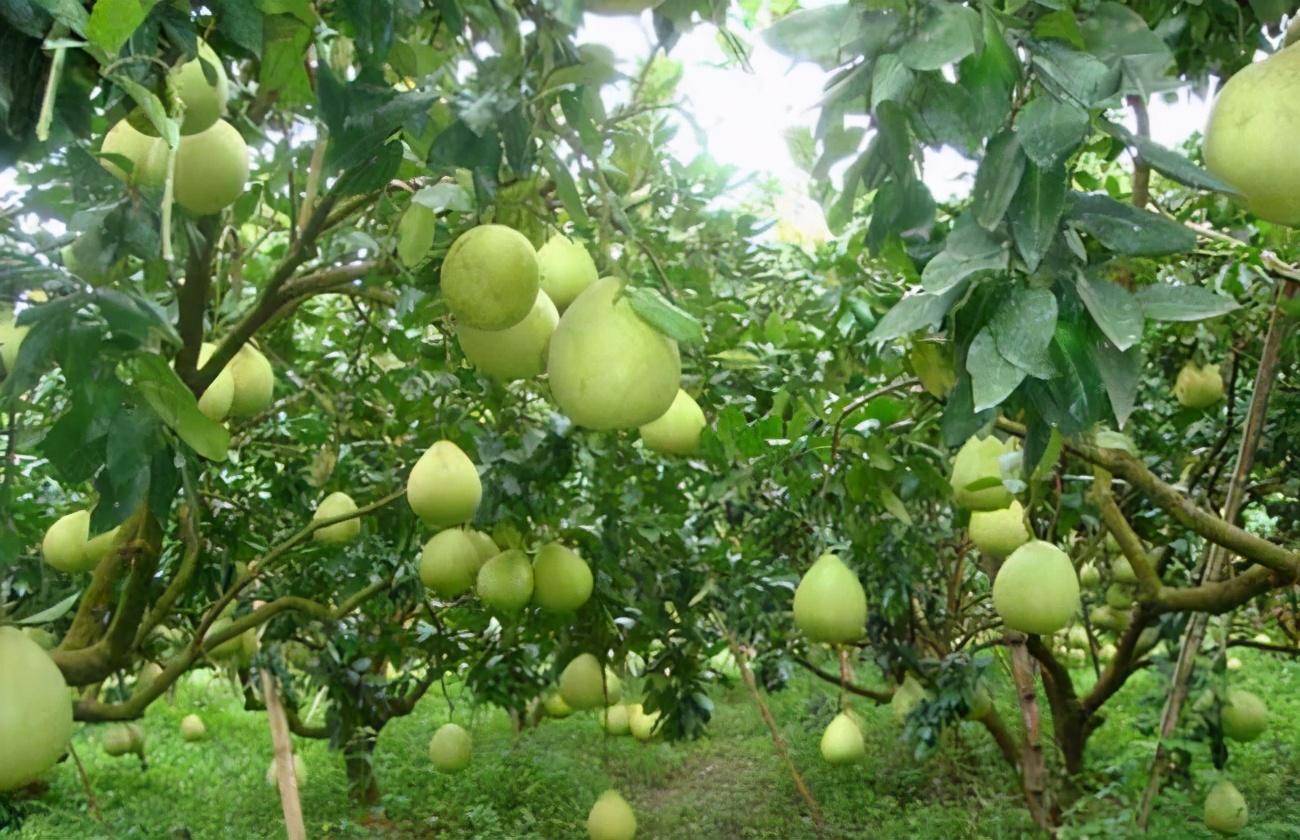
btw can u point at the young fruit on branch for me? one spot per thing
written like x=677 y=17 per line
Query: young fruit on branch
x=444 y=488
x=615 y=719
x=451 y=748
x=562 y=580
x=299 y=773
x=35 y=710
x=217 y=398
x=582 y=685
x=205 y=101
x=192 y=728
x=146 y=155
x=999 y=532
x=1197 y=386
x=842 y=741
x=449 y=563
x=1036 y=590
x=211 y=169
x=1225 y=808
x=611 y=818
x=1244 y=716
x=490 y=277
x=554 y=706
x=124 y=739
x=644 y=725
x=254 y=381
x=829 y=603
x=977 y=474
x=677 y=430
x=506 y=581
x=516 y=352
x=69 y=548
x=336 y=504
x=907 y=695
x=566 y=270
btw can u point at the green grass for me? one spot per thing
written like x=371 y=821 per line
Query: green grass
x=728 y=785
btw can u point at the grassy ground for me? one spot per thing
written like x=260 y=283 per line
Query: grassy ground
x=729 y=785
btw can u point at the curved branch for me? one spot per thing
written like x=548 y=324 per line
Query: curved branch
x=880 y=695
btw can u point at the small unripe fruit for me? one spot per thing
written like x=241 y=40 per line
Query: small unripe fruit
x=842 y=741
x=1089 y=576
x=829 y=603
x=444 y=488
x=506 y=581
x=677 y=430
x=35 y=710
x=611 y=818
x=449 y=563
x=124 y=739
x=978 y=463
x=566 y=270
x=582 y=685
x=490 y=277
x=299 y=773
x=254 y=382
x=211 y=169
x=999 y=532
x=1225 y=808
x=1199 y=387
x=1121 y=570
x=484 y=545
x=64 y=546
x=216 y=399
x=336 y=504
x=205 y=102
x=615 y=719
x=562 y=580
x=516 y=352
x=555 y=706
x=1244 y=716
x=1036 y=590
x=192 y=728
x=644 y=725
x=451 y=748
x=1119 y=596
x=907 y=696
x=147 y=155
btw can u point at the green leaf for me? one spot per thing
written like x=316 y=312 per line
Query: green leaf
x=1035 y=214
x=660 y=313
x=53 y=613
x=1125 y=229
x=997 y=179
x=112 y=22
x=415 y=234
x=1022 y=330
x=70 y=13
x=1050 y=129
x=152 y=106
x=176 y=406
x=823 y=35
x=1120 y=38
x=241 y=22
x=1076 y=75
x=891 y=80
x=1121 y=372
x=284 y=54
x=946 y=36
x=915 y=312
x=990 y=76
x=1167 y=162
x=566 y=188
x=968 y=250
x=993 y=378
x=444 y=196
x=1113 y=308
x=1167 y=302
x=1060 y=24
x=890 y=501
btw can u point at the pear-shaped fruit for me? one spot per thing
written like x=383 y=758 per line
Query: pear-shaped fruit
x=149 y=672
x=615 y=719
x=1108 y=618
x=1089 y=576
x=451 y=748
x=1225 y=808
x=1077 y=637
x=205 y=101
x=11 y=340
x=1121 y=571
x=147 y=155
x=677 y=431
x=562 y=580
x=829 y=604
x=906 y=696
x=124 y=739
x=216 y=399
x=64 y=546
x=611 y=818
x=1200 y=387
x=1036 y=590
x=241 y=647
x=254 y=382
x=211 y=169
x=449 y=563
x=1244 y=716
x=192 y=728
x=336 y=504
x=608 y=368
x=98 y=547
x=42 y=637
x=299 y=773
x=643 y=725
x=35 y=710
x=1119 y=596
x=1250 y=137
x=1106 y=652
x=484 y=545
x=566 y=270
x=516 y=352
x=582 y=685
x=619 y=7
x=506 y=581
x=999 y=532
x=444 y=488
x=490 y=277
x=555 y=706
x=842 y=741
x=977 y=474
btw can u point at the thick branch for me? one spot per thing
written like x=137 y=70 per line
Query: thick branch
x=881 y=696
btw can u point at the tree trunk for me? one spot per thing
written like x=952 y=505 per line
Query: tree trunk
x=359 y=759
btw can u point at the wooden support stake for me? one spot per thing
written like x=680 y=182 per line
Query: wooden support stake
x=289 y=802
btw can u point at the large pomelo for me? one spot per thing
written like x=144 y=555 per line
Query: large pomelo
x=444 y=488
x=676 y=431
x=1036 y=590
x=35 y=710
x=829 y=603
x=516 y=352
x=566 y=270
x=211 y=169
x=490 y=277
x=205 y=101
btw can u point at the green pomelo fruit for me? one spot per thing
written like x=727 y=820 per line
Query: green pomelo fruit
x=555 y=706
x=205 y=101
x=1121 y=571
x=230 y=648
x=444 y=488
x=829 y=604
x=299 y=773
x=582 y=686
x=566 y=270
x=615 y=719
x=619 y=7
x=1200 y=387
x=907 y=696
x=147 y=155
x=611 y=818
x=124 y=739
x=677 y=430
x=451 y=748
x=1107 y=652
x=506 y=581
x=516 y=352
x=608 y=368
x=1108 y=618
x=1250 y=136
x=1244 y=716
x=484 y=545
x=490 y=277
x=64 y=546
x=99 y=547
x=147 y=676
x=42 y=637
x=1119 y=596
x=1089 y=576
x=336 y=504
x=977 y=474
x=999 y=532
x=192 y=728
x=1077 y=637
x=1077 y=658
x=643 y=725
x=1225 y=808
x=449 y=563
x=842 y=741
x=35 y=710
x=562 y=580
x=216 y=399
x=1036 y=590
x=211 y=169
x=11 y=339
x=254 y=381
